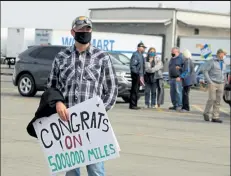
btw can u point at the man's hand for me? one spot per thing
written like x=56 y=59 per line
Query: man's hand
x=178 y=68
x=178 y=79
x=151 y=59
x=202 y=81
x=142 y=81
x=61 y=109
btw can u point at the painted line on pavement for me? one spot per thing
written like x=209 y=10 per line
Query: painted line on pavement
x=225 y=111
x=197 y=108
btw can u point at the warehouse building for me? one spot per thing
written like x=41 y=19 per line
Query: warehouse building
x=170 y=23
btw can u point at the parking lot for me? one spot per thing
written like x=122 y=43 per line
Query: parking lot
x=153 y=142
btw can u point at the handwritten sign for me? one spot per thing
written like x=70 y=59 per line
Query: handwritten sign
x=87 y=137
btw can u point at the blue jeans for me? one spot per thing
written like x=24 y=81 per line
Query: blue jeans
x=176 y=93
x=150 y=88
x=92 y=170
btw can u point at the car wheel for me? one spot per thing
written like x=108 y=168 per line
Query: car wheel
x=26 y=86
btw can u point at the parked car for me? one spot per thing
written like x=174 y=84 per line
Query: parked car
x=33 y=66
x=121 y=57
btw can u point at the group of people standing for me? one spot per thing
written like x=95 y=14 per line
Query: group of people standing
x=148 y=71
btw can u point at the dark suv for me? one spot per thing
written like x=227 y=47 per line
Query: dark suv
x=33 y=66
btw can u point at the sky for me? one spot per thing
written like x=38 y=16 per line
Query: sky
x=59 y=14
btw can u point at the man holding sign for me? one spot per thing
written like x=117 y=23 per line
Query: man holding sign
x=82 y=72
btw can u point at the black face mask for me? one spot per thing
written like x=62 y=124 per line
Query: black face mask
x=83 y=37
x=173 y=55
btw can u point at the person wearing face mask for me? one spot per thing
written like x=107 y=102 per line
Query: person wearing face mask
x=214 y=73
x=151 y=68
x=188 y=77
x=81 y=72
x=175 y=70
x=159 y=80
x=137 y=74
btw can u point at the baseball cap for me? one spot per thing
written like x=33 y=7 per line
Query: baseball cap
x=81 y=22
x=221 y=51
x=141 y=45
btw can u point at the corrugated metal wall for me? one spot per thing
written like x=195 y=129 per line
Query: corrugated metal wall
x=131 y=14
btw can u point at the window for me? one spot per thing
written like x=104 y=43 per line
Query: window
x=114 y=59
x=34 y=52
x=196 y=31
x=124 y=59
x=49 y=52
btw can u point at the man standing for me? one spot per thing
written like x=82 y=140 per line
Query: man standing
x=215 y=77
x=137 y=74
x=175 y=70
x=81 y=72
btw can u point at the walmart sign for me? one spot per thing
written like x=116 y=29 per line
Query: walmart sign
x=106 y=45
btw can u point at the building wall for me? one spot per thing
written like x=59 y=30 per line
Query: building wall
x=145 y=29
x=214 y=20
x=183 y=30
x=148 y=29
x=131 y=14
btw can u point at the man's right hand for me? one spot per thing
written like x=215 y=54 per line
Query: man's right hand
x=62 y=111
x=142 y=81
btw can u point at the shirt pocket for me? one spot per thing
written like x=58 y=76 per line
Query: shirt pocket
x=67 y=72
x=92 y=72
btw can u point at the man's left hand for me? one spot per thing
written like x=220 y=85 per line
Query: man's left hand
x=178 y=68
x=178 y=79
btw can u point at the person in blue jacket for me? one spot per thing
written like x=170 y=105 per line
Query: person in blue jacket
x=188 y=77
x=175 y=70
x=137 y=74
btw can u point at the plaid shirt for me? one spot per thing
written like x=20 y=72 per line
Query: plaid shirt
x=81 y=76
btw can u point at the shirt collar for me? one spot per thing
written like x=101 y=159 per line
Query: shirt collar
x=216 y=59
x=89 y=50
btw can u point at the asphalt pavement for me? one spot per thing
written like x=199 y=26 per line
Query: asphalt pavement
x=153 y=142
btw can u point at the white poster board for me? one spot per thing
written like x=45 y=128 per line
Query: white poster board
x=87 y=137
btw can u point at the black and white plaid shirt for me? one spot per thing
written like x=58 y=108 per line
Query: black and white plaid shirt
x=81 y=76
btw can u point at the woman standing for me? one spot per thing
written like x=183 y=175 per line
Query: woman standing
x=149 y=77
x=188 y=77
x=159 y=81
